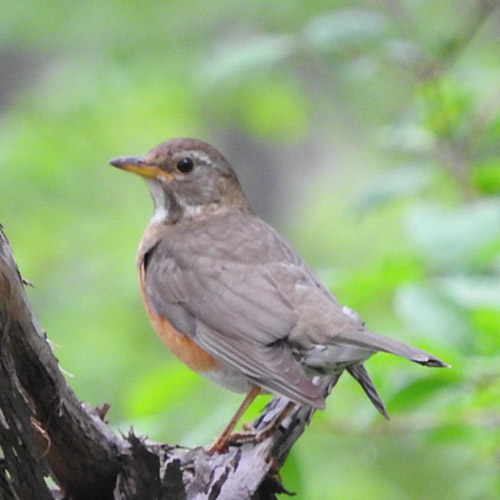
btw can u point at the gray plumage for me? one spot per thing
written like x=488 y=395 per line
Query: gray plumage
x=257 y=307
x=228 y=281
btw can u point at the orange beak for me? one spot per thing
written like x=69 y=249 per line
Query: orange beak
x=138 y=166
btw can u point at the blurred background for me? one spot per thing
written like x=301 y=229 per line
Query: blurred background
x=367 y=132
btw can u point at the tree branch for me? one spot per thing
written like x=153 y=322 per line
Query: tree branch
x=45 y=430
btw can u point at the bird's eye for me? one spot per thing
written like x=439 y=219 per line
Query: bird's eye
x=185 y=165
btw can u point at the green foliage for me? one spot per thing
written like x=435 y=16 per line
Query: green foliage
x=378 y=126
x=486 y=177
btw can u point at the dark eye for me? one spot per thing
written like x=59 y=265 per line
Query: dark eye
x=185 y=165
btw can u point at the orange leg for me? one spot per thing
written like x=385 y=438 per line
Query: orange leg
x=221 y=443
x=271 y=428
x=258 y=436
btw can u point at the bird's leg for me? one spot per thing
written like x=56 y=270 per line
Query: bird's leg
x=271 y=428
x=221 y=443
x=258 y=436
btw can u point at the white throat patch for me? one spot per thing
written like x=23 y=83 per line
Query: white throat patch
x=161 y=204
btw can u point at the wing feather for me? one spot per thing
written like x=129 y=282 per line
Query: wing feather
x=240 y=318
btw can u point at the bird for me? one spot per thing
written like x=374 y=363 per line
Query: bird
x=231 y=298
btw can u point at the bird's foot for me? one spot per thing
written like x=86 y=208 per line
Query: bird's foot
x=221 y=444
x=249 y=434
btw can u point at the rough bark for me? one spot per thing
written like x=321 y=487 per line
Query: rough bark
x=46 y=431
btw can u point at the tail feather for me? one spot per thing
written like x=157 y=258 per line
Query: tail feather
x=359 y=373
x=373 y=341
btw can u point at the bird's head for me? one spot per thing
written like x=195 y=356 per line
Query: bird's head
x=187 y=178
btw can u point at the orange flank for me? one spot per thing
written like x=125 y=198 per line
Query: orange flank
x=183 y=347
x=180 y=345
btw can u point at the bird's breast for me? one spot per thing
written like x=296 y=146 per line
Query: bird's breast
x=185 y=349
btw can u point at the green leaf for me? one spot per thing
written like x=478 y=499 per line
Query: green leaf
x=235 y=61
x=345 y=28
x=431 y=314
x=406 y=137
x=393 y=184
x=453 y=239
x=472 y=291
x=486 y=323
x=418 y=392
x=445 y=105
x=380 y=281
x=486 y=176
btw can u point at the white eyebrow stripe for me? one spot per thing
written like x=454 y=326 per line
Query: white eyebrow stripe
x=199 y=156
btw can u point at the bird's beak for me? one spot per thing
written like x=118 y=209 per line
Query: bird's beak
x=138 y=166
